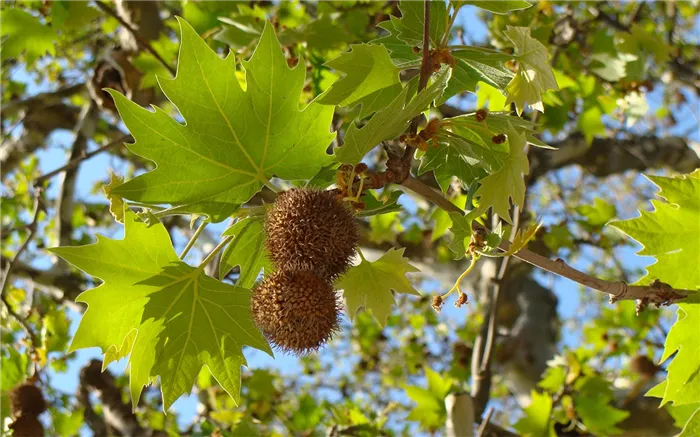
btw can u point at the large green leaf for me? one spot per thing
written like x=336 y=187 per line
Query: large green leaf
x=402 y=55
x=233 y=140
x=537 y=421
x=247 y=250
x=498 y=188
x=461 y=233
x=450 y=159
x=682 y=384
x=692 y=427
x=24 y=33
x=411 y=24
x=671 y=232
x=534 y=75
x=593 y=400
x=481 y=133
x=388 y=123
x=430 y=403
x=474 y=65
x=169 y=317
x=369 y=284
x=368 y=69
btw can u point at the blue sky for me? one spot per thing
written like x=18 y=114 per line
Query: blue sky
x=97 y=170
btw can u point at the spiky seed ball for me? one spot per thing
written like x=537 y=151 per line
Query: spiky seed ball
x=296 y=310
x=310 y=229
x=27 y=399
x=27 y=426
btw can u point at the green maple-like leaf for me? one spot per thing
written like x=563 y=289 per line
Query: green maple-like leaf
x=402 y=54
x=476 y=65
x=24 y=32
x=534 y=75
x=692 y=427
x=411 y=24
x=430 y=403
x=498 y=188
x=369 y=284
x=671 y=232
x=593 y=399
x=169 y=317
x=247 y=250
x=384 y=205
x=537 y=422
x=389 y=122
x=233 y=140
x=481 y=133
x=461 y=233
x=72 y=16
x=682 y=384
x=369 y=71
x=448 y=160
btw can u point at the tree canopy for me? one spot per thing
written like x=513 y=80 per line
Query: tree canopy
x=498 y=225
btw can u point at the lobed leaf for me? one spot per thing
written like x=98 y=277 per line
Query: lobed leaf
x=369 y=284
x=170 y=319
x=234 y=140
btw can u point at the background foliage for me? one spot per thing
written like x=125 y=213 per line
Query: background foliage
x=262 y=88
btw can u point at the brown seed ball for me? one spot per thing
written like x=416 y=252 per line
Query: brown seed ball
x=310 y=229
x=27 y=399
x=27 y=426
x=296 y=310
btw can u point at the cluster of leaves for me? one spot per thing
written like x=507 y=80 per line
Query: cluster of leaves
x=237 y=137
x=670 y=234
x=244 y=129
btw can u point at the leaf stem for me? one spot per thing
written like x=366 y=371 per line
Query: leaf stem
x=80 y=159
x=362 y=257
x=139 y=38
x=461 y=278
x=193 y=239
x=448 y=28
x=213 y=253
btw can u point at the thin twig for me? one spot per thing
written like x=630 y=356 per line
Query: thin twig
x=193 y=239
x=503 y=268
x=656 y=293
x=425 y=72
x=78 y=160
x=139 y=39
x=485 y=423
x=32 y=227
x=41 y=99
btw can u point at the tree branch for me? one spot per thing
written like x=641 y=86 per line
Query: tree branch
x=632 y=153
x=141 y=41
x=32 y=227
x=37 y=125
x=656 y=293
x=73 y=163
x=83 y=131
x=117 y=414
x=41 y=99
